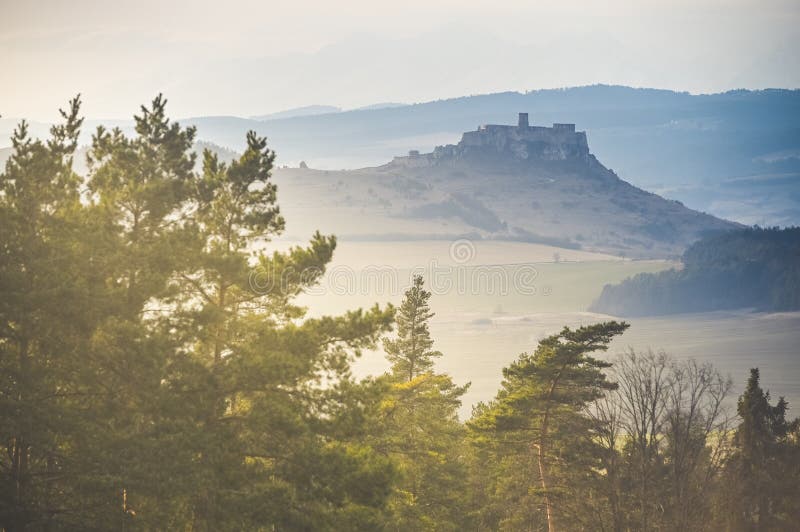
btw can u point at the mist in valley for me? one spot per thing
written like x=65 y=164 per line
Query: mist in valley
x=513 y=267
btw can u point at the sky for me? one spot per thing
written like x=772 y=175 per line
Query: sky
x=247 y=58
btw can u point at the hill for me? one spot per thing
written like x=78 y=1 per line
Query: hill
x=735 y=154
x=308 y=110
x=748 y=268
x=523 y=183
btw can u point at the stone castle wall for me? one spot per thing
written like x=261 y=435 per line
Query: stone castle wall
x=558 y=143
x=560 y=138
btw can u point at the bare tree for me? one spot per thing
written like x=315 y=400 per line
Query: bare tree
x=642 y=380
x=665 y=432
x=696 y=437
x=606 y=413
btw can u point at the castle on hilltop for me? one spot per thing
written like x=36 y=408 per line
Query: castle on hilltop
x=521 y=142
x=551 y=143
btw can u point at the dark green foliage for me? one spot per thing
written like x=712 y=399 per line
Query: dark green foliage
x=535 y=439
x=762 y=490
x=419 y=427
x=156 y=374
x=51 y=302
x=412 y=354
x=753 y=267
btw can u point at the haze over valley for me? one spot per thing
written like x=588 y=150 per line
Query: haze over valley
x=539 y=195
x=436 y=265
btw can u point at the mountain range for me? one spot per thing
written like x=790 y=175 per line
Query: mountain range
x=735 y=155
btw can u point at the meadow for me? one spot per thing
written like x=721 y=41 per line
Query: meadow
x=498 y=299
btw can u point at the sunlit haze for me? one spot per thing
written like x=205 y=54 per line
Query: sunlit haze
x=248 y=57
x=421 y=265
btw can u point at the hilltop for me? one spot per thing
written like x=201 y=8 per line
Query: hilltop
x=308 y=110
x=499 y=182
x=734 y=154
x=522 y=183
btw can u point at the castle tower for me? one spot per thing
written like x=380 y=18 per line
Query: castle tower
x=523 y=120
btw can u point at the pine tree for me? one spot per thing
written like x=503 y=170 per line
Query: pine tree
x=412 y=354
x=419 y=427
x=45 y=282
x=156 y=372
x=766 y=463
x=535 y=431
x=265 y=427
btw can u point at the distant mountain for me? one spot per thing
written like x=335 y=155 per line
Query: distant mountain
x=749 y=268
x=80 y=166
x=308 y=110
x=384 y=105
x=735 y=154
x=525 y=183
x=7 y=126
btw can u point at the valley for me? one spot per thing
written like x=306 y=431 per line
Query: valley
x=480 y=330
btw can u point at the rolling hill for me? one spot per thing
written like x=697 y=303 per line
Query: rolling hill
x=521 y=183
x=734 y=154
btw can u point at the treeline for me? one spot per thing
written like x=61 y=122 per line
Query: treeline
x=155 y=374
x=747 y=268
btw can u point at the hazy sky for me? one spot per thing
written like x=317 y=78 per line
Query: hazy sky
x=253 y=57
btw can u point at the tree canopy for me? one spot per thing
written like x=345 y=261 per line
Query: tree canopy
x=158 y=373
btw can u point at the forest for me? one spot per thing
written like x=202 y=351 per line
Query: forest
x=752 y=267
x=157 y=373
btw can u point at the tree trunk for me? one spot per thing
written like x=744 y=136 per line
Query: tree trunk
x=21 y=450
x=543 y=481
x=551 y=527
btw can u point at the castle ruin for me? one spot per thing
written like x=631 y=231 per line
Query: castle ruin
x=521 y=142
